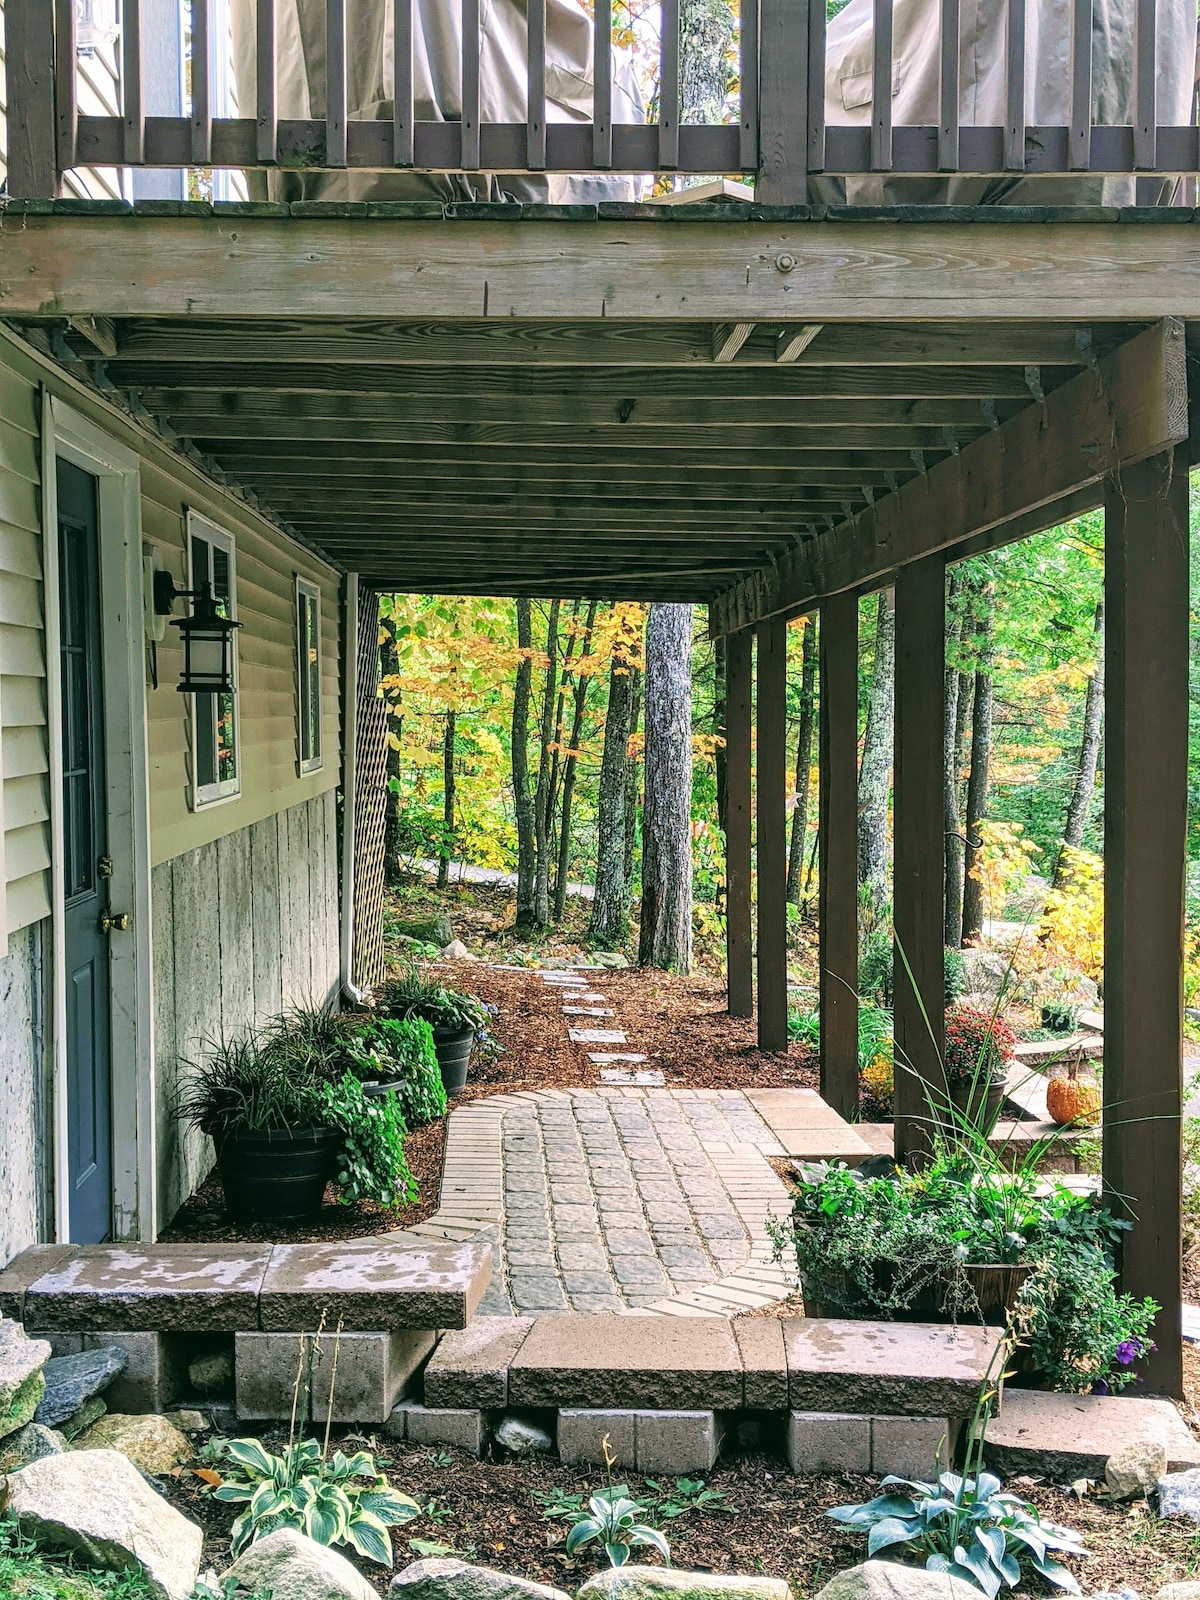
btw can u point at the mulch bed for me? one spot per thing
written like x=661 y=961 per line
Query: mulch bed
x=680 y=1023
x=485 y=1511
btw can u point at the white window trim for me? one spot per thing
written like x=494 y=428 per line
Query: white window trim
x=204 y=795
x=306 y=587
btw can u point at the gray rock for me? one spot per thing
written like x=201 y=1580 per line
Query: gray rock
x=1116 y=1594
x=92 y=1409
x=70 y=1380
x=888 y=1580
x=609 y=958
x=289 y=1566
x=22 y=1361
x=94 y=1504
x=1179 y=1494
x=212 y=1374
x=523 y=1438
x=428 y=930
x=448 y=1579
x=456 y=950
x=30 y=1443
x=1179 y=1591
x=152 y=1443
x=670 y=1583
x=1134 y=1469
x=188 y=1421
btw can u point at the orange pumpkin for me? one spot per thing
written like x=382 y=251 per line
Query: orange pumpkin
x=1074 y=1101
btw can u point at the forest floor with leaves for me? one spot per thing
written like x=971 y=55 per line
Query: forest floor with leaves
x=679 y=1023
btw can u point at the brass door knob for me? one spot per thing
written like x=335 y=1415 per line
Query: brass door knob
x=114 y=922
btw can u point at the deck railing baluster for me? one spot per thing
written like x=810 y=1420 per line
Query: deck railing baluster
x=748 y=54
x=816 y=85
x=948 y=89
x=134 y=140
x=335 y=83
x=881 y=87
x=1014 y=132
x=783 y=101
x=1079 y=141
x=535 y=110
x=602 y=85
x=402 y=83
x=1145 y=116
x=668 y=89
x=266 y=111
x=470 y=73
x=29 y=75
x=201 y=86
x=66 y=99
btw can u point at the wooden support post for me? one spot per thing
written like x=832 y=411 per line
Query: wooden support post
x=1145 y=824
x=919 y=853
x=839 y=853
x=739 y=956
x=771 y=835
x=29 y=70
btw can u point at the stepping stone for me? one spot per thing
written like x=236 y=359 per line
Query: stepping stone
x=652 y=1079
x=598 y=1058
x=590 y=999
x=1191 y=1324
x=1069 y=1436
x=563 y=980
x=594 y=1359
x=596 y=1036
x=588 y=1011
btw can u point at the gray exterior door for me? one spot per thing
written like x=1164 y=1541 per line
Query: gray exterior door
x=85 y=864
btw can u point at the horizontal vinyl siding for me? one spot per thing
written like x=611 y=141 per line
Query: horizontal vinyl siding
x=22 y=659
x=266 y=566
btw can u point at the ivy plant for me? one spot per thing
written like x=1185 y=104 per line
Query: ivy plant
x=371 y=1163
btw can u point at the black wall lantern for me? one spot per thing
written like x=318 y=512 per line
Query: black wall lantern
x=206 y=636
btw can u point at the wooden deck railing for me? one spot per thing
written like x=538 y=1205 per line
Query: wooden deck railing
x=781 y=134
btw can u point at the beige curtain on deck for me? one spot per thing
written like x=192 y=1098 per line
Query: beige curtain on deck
x=982 y=90
x=437 y=91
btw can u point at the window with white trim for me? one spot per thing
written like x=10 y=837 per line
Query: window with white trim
x=308 y=674
x=216 y=756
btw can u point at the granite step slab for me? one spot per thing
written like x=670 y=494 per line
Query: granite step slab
x=374 y=1288
x=886 y=1368
x=1070 y=1436
x=155 y=1288
x=605 y=1360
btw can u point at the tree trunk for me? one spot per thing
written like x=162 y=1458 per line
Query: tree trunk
x=875 y=771
x=541 y=804
x=389 y=667
x=804 y=741
x=609 y=926
x=981 y=756
x=718 y=727
x=705 y=28
x=560 y=703
x=522 y=796
x=1084 y=786
x=633 y=782
x=952 y=933
x=570 y=766
x=443 y=876
x=666 y=922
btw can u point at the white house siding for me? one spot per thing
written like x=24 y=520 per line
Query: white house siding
x=22 y=1100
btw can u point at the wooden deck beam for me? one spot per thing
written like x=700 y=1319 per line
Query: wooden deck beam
x=1132 y=407
x=771 y=834
x=133 y=265
x=739 y=694
x=838 y=795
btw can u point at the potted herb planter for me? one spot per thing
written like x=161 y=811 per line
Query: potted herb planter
x=276 y=1174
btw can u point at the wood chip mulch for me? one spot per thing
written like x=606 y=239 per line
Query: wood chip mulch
x=680 y=1023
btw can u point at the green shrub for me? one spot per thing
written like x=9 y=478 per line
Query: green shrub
x=400 y=1051
x=954 y=975
x=1060 y=1018
x=876 y=977
x=371 y=1162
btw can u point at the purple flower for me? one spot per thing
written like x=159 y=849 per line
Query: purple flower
x=1100 y=1387
x=1128 y=1351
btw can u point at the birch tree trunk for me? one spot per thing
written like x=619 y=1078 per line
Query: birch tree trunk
x=981 y=756
x=1084 y=786
x=952 y=910
x=541 y=803
x=443 y=875
x=522 y=795
x=609 y=926
x=666 y=922
x=804 y=742
x=875 y=770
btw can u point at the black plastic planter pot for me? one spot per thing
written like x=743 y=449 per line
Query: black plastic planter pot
x=453 y=1047
x=278 y=1175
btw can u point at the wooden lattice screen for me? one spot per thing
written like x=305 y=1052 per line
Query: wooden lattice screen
x=369 y=800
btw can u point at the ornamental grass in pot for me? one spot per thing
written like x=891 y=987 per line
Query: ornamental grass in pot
x=456 y=1019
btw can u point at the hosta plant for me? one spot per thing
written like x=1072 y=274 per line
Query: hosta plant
x=612 y=1520
x=967 y=1527
x=334 y=1499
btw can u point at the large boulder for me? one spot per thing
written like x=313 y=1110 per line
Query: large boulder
x=71 y=1380
x=1133 y=1470
x=888 y=1580
x=150 y=1442
x=95 y=1504
x=438 y=1578
x=22 y=1362
x=30 y=1443
x=287 y=1565
x=670 y=1583
x=428 y=930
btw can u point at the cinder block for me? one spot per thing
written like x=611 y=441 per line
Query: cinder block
x=373 y=1370
x=61 y=1344
x=264 y=1366
x=821 y=1441
x=156 y=1374
x=466 y=1429
x=910 y=1446
x=582 y=1435
x=677 y=1441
